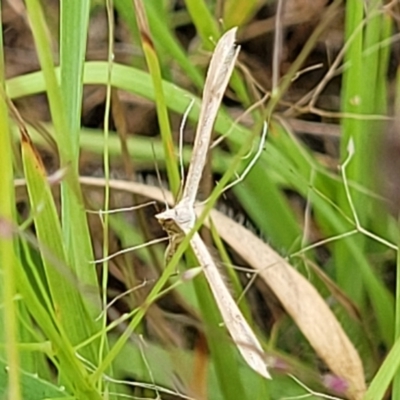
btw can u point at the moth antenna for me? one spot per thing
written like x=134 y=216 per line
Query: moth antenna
x=253 y=161
x=250 y=109
x=278 y=40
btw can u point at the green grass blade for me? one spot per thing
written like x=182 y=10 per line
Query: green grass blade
x=74 y=225
x=8 y=283
x=236 y=13
x=204 y=21
x=165 y=42
x=66 y=298
x=382 y=379
x=75 y=377
x=33 y=387
x=396 y=379
x=42 y=42
x=361 y=79
x=74 y=20
x=161 y=105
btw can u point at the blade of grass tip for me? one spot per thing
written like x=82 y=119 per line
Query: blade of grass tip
x=162 y=36
x=204 y=21
x=162 y=113
x=236 y=13
x=42 y=41
x=8 y=284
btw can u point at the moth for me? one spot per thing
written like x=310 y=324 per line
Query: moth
x=180 y=220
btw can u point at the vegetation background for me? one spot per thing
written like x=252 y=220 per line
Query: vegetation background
x=92 y=102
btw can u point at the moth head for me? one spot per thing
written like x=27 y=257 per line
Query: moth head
x=169 y=214
x=182 y=216
x=167 y=220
